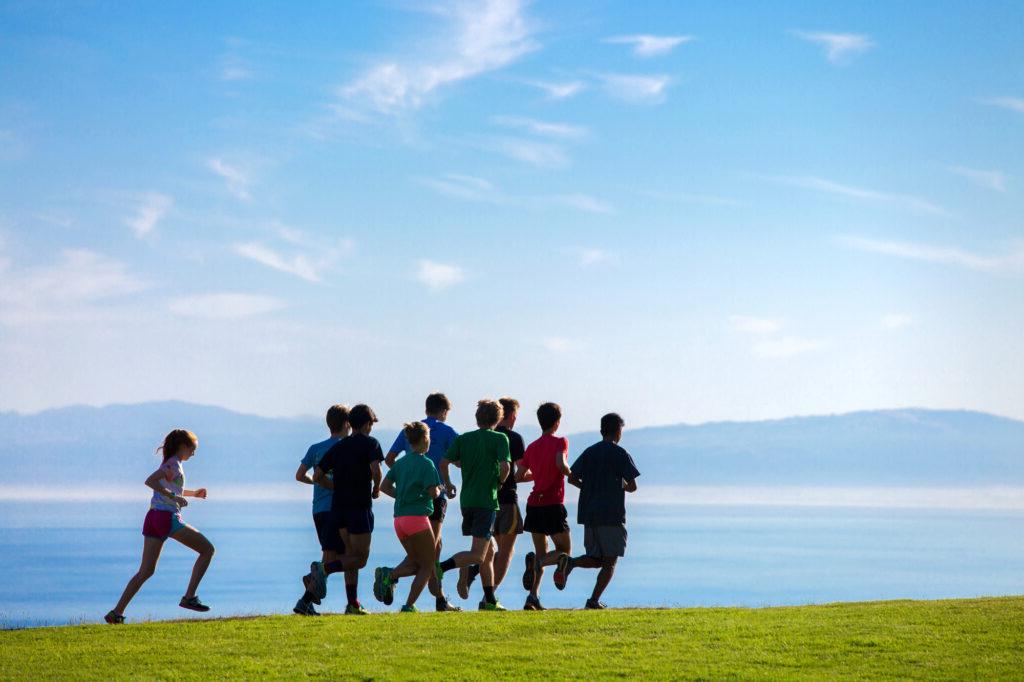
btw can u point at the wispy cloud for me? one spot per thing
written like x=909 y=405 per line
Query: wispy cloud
x=546 y=128
x=896 y=321
x=1011 y=103
x=531 y=152
x=151 y=209
x=486 y=36
x=226 y=306
x=839 y=47
x=559 y=90
x=591 y=257
x=650 y=46
x=580 y=202
x=636 y=89
x=298 y=265
x=467 y=187
x=690 y=198
x=1010 y=262
x=438 y=276
x=238 y=180
x=755 y=325
x=991 y=179
x=862 y=194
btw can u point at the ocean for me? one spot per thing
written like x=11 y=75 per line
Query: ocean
x=67 y=561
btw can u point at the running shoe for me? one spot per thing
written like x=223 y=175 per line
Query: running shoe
x=383 y=585
x=595 y=605
x=463 y=585
x=562 y=570
x=356 y=610
x=488 y=606
x=533 y=604
x=193 y=604
x=530 y=573
x=445 y=605
x=114 y=618
x=318 y=580
x=305 y=608
x=409 y=609
x=307 y=581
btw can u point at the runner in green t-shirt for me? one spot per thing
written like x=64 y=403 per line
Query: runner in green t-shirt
x=414 y=483
x=484 y=458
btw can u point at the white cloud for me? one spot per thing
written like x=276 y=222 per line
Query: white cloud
x=755 y=325
x=539 y=154
x=591 y=257
x=234 y=68
x=228 y=306
x=487 y=36
x=438 y=276
x=297 y=264
x=822 y=185
x=1011 y=103
x=467 y=187
x=238 y=181
x=786 y=347
x=839 y=47
x=991 y=179
x=580 y=202
x=686 y=198
x=636 y=89
x=896 y=321
x=559 y=344
x=559 y=90
x=1011 y=262
x=151 y=210
x=648 y=45
x=546 y=128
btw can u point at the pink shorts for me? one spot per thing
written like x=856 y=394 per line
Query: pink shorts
x=410 y=525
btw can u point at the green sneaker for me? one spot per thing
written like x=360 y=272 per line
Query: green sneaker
x=409 y=609
x=383 y=585
x=356 y=610
x=488 y=606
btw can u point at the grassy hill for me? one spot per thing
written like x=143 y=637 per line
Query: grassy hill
x=955 y=639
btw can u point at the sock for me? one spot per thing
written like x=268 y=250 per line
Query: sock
x=440 y=601
x=333 y=567
x=447 y=565
x=308 y=597
x=489 y=595
x=474 y=571
x=350 y=592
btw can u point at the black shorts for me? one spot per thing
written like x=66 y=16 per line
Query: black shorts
x=440 y=508
x=355 y=521
x=477 y=522
x=549 y=519
x=327 y=532
x=508 y=521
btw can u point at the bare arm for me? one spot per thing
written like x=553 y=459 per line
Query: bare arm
x=198 y=492
x=629 y=485
x=390 y=458
x=320 y=478
x=503 y=471
x=446 y=478
x=155 y=482
x=301 y=476
x=376 y=476
x=575 y=480
x=563 y=465
x=388 y=487
x=433 y=490
x=523 y=473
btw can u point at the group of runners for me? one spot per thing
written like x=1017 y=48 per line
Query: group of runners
x=346 y=475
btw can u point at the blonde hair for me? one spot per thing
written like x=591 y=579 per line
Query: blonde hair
x=418 y=436
x=174 y=440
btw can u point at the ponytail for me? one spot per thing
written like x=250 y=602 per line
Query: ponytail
x=174 y=440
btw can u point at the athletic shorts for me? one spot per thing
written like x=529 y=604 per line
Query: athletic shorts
x=161 y=524
x=508 y=521
x=355 y=521
x=477 y=522
x=410 y=525
x=549 y=519
x=605 y=541
x=330 y=540
x=440 y=508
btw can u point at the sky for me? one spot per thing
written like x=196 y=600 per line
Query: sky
x=683 y=212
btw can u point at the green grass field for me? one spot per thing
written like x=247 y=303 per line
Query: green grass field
x=957 y=639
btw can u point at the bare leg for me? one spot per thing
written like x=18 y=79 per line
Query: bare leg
x=196 y=541
x=604 y=576
x=150 y=555
x=503 y=557
x=421 y=549
x=487 y=564
x=475 y=555
x=436 y=588
x=563 y=545
x=540 y=550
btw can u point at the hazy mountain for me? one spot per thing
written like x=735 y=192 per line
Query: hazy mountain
x=114 y=446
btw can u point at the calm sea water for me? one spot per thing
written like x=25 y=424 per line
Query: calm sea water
x=67 y=563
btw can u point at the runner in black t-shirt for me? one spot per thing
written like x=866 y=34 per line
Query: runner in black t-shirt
x=354 y=463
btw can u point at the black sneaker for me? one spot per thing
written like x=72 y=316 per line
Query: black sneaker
x=593 y=604
x=530 y=572
x=193 y=604
x=445 y=605
x=114 y=618
x=533 y=604
x=305 y=608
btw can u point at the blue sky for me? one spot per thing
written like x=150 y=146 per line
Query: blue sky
x=680 y=211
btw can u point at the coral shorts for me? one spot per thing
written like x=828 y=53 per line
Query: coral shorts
x=406 y=526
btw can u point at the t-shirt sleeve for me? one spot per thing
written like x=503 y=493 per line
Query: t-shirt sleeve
x=627 y=468
x=309 y=461
x=502 y=453
x=400 y=443
x=326 y=462
x=376 y=454
x=515 y=446
x=453 y=454
x=430 y=475
x=579 y=467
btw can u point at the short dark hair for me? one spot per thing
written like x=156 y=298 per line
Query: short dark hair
x=437 y=402
x=361 y=415
x=337 y=417
x=488 y=413
x=508 y=406
x=548 y=414
x=610 y=423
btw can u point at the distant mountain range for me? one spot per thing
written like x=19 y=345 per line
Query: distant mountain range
x=113 y=446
